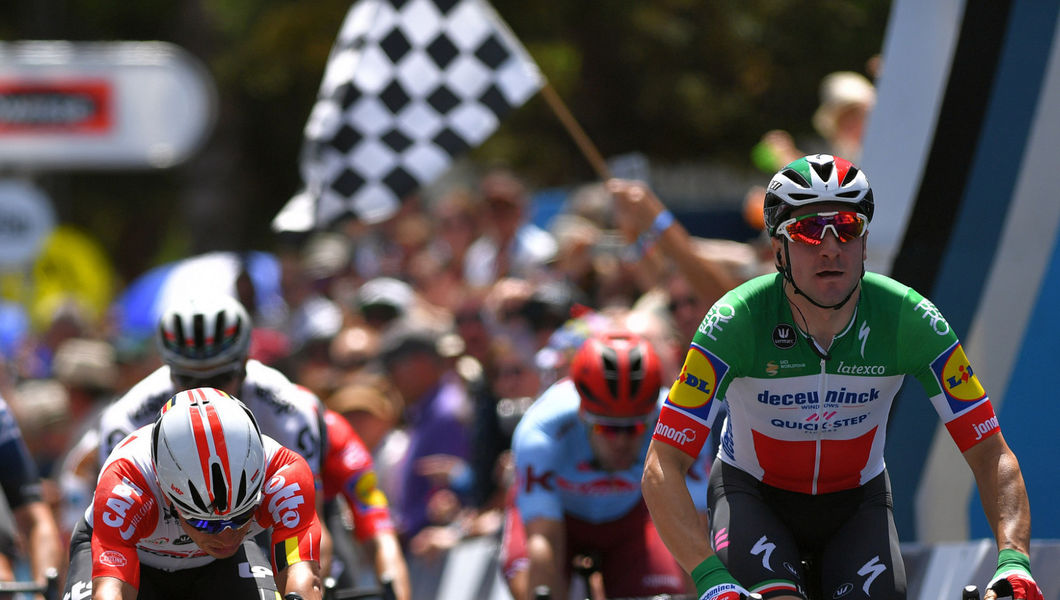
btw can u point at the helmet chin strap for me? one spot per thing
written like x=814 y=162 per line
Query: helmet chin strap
x=786 y=272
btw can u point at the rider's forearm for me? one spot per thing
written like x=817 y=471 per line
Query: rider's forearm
x=1002 y=492
x=390 y=564
x=302 y=578
x=545 y=567
x=112 y=588
x=38 y=527
x=672 y=510
x=709 y=279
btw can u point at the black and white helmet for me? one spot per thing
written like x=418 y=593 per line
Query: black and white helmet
x=203 y=336
x=814 y=179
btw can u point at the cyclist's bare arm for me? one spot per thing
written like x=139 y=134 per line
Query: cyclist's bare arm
x=302 y=578
x=672 y=510
x=390 y=563
x=1002 y=491
x=112 y=588
x=45 y=548
x=546 y=545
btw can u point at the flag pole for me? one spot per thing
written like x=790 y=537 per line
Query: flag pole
x=574 y=129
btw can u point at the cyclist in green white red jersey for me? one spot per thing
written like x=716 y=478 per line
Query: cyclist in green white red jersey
x=808 y=362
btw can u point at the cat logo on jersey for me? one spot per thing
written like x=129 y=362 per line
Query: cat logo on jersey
x=699 y=379
x=957 y=379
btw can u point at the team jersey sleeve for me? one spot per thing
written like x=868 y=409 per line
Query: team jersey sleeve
x=123 y=512
x=695 y=396
x=348 y=468
x=289 y=506
x=535 y=454
x=18 y=477
x=942 y=368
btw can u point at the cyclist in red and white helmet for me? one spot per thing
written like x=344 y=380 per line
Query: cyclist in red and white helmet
x=808 y=362
x=178 y=503
x=204 y=341
x=579 y=453
x=204 y=338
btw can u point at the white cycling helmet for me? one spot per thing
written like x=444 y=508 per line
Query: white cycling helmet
x=813 y=179
x=208 y=457
x=202 y=336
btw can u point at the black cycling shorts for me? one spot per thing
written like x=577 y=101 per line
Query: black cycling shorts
x=763 y=534
x=246 y=575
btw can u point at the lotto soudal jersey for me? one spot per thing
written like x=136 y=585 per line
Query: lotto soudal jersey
x=132 y=524
x=286 y=412
x=556 y=470
x=804 y=423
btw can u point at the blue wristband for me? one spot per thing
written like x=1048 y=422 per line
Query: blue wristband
x=646 y=240
x=662 y=222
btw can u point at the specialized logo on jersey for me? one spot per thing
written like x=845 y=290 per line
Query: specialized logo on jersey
x=699 y=378
x=958 y=381
x=784 y=336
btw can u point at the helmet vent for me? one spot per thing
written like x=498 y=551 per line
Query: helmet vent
x=220 y=488
x=219 y=328
x=795 y=176
x=242 y=489
x=178 y=330
x=198 y=329
x=797 y=196
x=852 y=172
x=200 y=505
x=852 y=194
x=824 y=170
x=585 y=392
x=610 y=359
x=636 y=372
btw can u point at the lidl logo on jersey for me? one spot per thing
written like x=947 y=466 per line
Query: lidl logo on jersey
x=957 y=379
x=698 y=380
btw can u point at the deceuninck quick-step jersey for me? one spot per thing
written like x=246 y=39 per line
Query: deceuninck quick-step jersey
x=809 y=424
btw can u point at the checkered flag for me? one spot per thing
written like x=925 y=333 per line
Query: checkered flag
x=409 y=85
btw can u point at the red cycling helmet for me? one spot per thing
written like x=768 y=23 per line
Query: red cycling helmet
x=617 y=375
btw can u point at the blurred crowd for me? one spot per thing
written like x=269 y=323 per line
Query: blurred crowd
x=456 y=312
x=460 y=310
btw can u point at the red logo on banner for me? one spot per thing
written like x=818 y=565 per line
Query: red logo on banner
x=74 y=106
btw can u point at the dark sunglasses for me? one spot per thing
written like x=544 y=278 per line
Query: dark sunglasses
x=846 y=225
x=613 y=431
x=215 y=526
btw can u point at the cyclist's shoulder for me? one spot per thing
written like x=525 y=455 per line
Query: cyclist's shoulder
x=267 y=386
x=9 y=431
x=131 y=453
x=552 y=413
x=142 y=401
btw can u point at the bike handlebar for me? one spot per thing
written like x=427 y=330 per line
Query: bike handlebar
x=50 y=589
